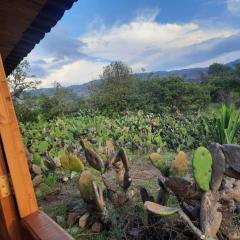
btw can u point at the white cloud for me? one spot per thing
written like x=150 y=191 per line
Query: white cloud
x=150 y=43
x=78 y=72
x=234 y=6
x=141 y=43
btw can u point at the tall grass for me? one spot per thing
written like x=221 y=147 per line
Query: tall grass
x=228 y=124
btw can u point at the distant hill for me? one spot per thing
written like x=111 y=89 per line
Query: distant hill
x=191 y=74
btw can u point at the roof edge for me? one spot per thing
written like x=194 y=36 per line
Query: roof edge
x=46 y=19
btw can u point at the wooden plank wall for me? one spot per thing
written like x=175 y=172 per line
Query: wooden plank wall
x=15 y=152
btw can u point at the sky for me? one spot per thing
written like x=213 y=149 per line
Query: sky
x=148 y=35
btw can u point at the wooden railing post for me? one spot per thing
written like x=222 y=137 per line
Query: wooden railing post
x=14 y=152
x=9 y=220
x=19 y=215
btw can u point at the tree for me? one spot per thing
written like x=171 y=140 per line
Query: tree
x=20 y=82
x=223 y=82
x=219 y=70
x=63 y=101
x=117 y=83
x=173 y=92
x=237 y=70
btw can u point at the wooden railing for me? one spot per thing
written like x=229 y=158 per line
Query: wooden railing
x=19 y=214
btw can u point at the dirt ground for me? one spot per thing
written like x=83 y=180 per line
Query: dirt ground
x=130 y=222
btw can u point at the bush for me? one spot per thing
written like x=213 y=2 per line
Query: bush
x=228 y=125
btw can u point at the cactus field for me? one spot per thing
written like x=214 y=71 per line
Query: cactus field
x=135 y=176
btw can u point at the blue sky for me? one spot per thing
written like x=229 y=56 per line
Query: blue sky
x=146 y=34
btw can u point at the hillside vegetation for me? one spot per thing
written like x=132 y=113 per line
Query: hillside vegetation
x=134 y=159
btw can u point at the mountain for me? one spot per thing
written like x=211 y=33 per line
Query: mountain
x=191 y=74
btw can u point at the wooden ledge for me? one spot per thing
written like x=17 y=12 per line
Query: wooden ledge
x=39 y=226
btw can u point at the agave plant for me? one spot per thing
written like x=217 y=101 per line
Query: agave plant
x=228 y=124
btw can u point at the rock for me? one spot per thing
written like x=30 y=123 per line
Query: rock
x=231 y=172
x=97 y=227
x=37 y=180
x=72 y=218
x=237 y=183
x=228 y=184
x=83 y=220
x=57 y=162
x=65 y=179
x=232 y=155
x=36 y=169
x=231 y=194
x=210 y=217
x=218 y=166
x=60 y=220
x=232 y=206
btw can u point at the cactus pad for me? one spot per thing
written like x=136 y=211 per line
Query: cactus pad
x=71 y=162
x=179 y=165
x=159 y=209
x=86 y=186
x=158 y=162
x=85 y=183
x=202 y=168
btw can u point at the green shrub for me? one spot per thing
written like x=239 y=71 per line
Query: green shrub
x=228 y=124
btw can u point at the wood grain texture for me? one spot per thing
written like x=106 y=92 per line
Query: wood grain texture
x=23 y=23
x=15 y=152
x=39 y=226
x=9 y=221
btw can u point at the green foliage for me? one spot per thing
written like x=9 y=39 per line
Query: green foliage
x=44 y=188
x=71 y=162
x=19 y=81
x=60 y=210
x=117 y=83
x=228 y=124
x=37 y=160
x=223 y=82
x=172 y=92
x=135 y=132
x=50 y=180
x=42 y=147
x=202 y=168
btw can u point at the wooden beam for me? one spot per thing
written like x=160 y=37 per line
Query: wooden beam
x=9 y=221
x=15 y=152
x=39 y=226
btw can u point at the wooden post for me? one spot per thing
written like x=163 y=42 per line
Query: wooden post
x=14 y=152
x=9 y=221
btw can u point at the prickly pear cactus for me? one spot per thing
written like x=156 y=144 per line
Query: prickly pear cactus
x=159 y=209
x=202 y=168
x=85 y=183
x=158 y=162
x=86 y=186
x=71 y=162
x=179 y=165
